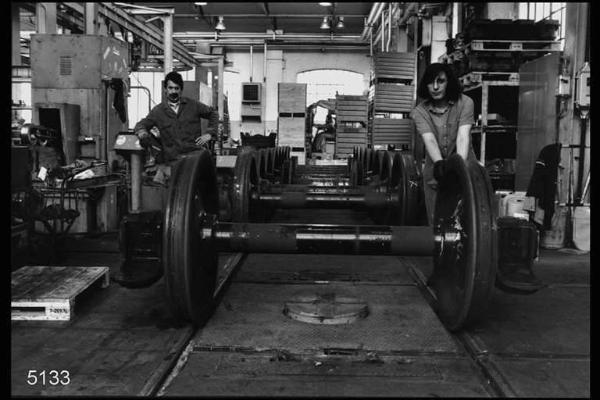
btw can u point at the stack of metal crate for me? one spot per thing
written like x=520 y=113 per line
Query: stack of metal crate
x=351 y=124
x=391 y=98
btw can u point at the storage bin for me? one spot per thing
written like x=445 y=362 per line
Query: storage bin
x=581 y=228
x=518 y=242
x=500 y=203
x=514 y=205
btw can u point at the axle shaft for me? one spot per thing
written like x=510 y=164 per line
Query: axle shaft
x=322 y=239
x=326 y=200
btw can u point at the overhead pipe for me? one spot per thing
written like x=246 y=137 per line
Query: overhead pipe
x=264 y=89
x=373 y=16
x=371 y=45
x=382 y=27
x=387 y=45
x=249 y=35
x=408 y=12
x=296 y=45
x=265 y=63
x=251 y=66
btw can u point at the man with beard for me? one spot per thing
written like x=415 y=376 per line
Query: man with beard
x=172 y=128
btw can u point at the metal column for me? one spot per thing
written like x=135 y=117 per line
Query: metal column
x=45 y=17
x=220 y=101
x=168 y=39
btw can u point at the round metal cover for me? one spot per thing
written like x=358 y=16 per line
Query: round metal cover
x=326 y=308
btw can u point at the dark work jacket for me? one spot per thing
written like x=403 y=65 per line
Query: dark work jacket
x=178 y=132
x=542 y=185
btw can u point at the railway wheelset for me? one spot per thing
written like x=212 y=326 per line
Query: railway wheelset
x=385 y=183
x=462 y=240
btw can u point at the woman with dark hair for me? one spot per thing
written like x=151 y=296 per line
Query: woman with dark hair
x=443 y=119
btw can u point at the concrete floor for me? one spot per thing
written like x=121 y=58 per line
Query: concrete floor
x=124 y=342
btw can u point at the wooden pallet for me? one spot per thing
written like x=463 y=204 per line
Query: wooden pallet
x=474 y=78
x=43 y=293
x=513 y=45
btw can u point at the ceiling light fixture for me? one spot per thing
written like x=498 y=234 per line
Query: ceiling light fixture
x=220 y=25
x=325 y=4
x=200 y=4
x=325 y=23
x=340 y=23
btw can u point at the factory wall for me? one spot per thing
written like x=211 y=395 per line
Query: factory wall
x=282 y=66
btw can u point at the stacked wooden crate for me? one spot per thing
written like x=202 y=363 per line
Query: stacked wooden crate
x=351 y=124
x=292 y=118
x=391 y=98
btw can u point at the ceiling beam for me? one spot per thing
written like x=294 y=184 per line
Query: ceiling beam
x=147 y=32
x=319 y=16
x=257 y=35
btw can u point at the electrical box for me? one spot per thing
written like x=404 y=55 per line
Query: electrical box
x=251 y=102
x=251 y=92
x=77 y=61
x=563 y=89
x=583 y=86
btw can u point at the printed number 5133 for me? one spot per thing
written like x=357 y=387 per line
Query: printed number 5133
x=52 y=377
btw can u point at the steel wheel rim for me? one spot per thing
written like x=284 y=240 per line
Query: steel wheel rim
x=464 y=272
x=189 y=260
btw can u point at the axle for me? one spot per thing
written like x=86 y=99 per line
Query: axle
x=325 y=239
x=325 y=200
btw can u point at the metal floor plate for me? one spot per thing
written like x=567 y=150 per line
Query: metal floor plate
x=543 y=378
x=215 y=373
x=522 y=318
x=251 y=316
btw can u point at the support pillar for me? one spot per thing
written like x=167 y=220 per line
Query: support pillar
x=45 y=17
x=168 y=38
x=16 y=35
x=91 y=16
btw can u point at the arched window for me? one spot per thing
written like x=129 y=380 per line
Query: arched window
x=323 y=84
